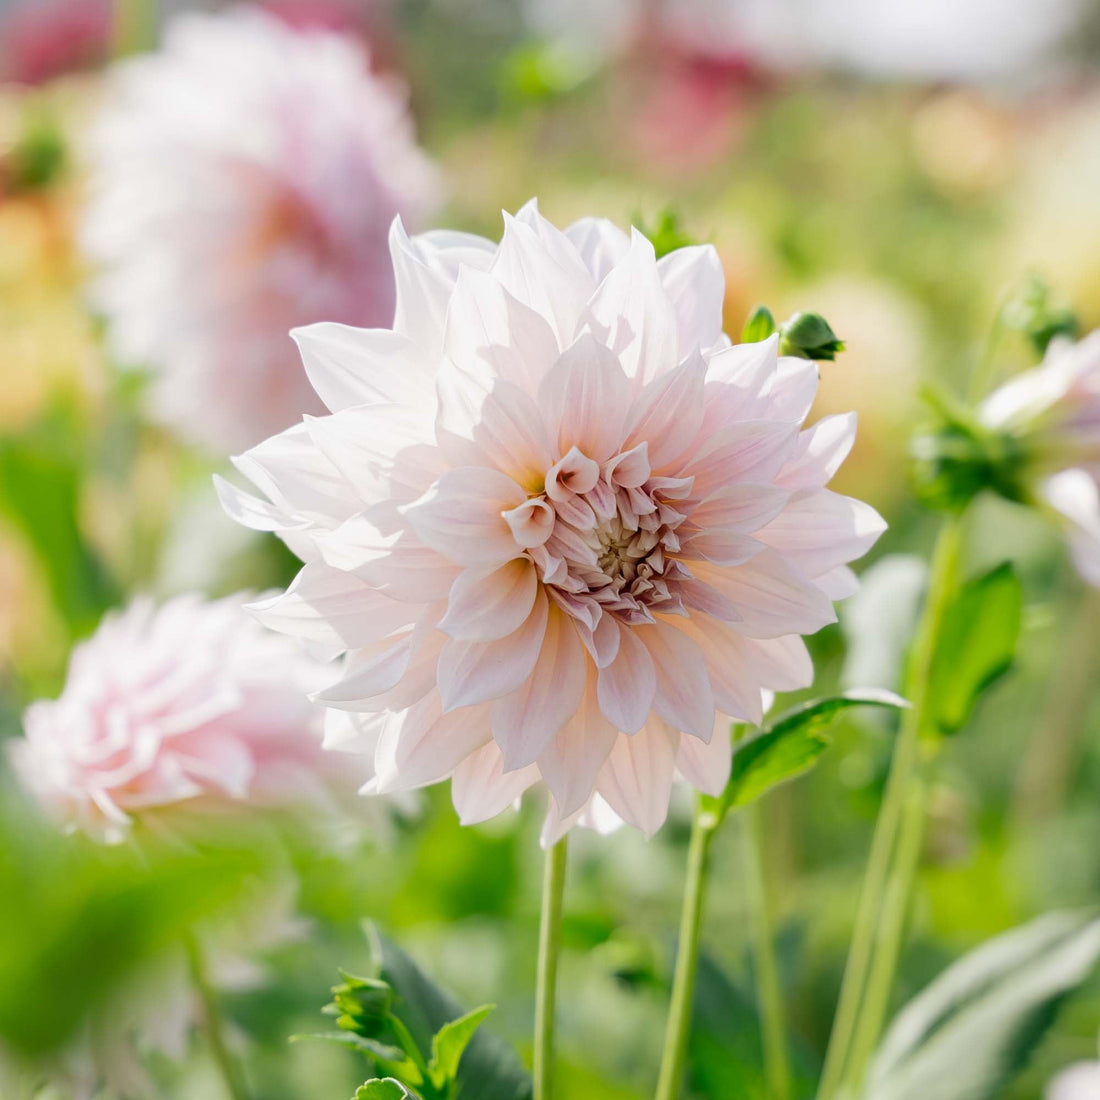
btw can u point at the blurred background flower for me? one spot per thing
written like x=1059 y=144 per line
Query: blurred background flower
x=899 y=167
x=241 y=180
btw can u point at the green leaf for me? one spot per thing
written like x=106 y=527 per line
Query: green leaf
x=383 y=1088
x=373 y=1048
x=489 y=1068
x=759 y=325
x=449 y=1043
x=976 y=645
x=971 y=1030
x=788 y=747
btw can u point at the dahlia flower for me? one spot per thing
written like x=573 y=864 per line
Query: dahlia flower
x=191 y=702
x=1051 y=416
x=563 y=528
x=244 y=179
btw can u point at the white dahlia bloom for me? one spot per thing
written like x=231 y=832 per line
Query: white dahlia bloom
x=190 y=704
x=244 y=178
x=565 y=531
x=1052 y=416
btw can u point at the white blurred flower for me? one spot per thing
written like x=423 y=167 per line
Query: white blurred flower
x=188 y=704
x=1081 y=1081
x=1053 y=415
x=243 y=180
x=565 y=531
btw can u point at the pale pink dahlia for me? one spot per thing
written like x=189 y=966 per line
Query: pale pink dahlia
x=1051 y=418
x=192 y=702
x=243 y=179
x=565 y=531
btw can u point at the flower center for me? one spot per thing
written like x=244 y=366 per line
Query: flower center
x=604 y=538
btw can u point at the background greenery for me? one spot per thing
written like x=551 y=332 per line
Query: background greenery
x=905 y=213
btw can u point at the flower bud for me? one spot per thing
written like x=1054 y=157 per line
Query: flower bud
x=809 y=336
x=361 y=1005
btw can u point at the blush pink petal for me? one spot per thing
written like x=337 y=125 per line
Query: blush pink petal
x=706 y=764
x=636 y=778
x=461 y=517
x=526 y=719
x=626 y=687
x=475 y=672
x=696 y=285
x=683 y=697
x=486 y=604
x=481 y=789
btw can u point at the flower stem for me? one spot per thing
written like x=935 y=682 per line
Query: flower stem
x=777 y=1069
x=553 y=886
x=214 y=1024
x=674 y=1055
x=903 y=772
x=895 y=906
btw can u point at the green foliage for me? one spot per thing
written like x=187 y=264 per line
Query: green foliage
x=787 y=748
x=415 y=1033
x=383 y=1088
x=969 y=1032
x=1039 y=315
x=41 y=482
x=665 y=233
x=541 y=73
x=79 y=922
x=976 y=645
x=956 y=457
x=809 y=336
x=759 y=325
x=38 y=156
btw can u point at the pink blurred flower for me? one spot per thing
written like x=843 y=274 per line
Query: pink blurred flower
x=565 y=530
x=41 y=39
x=243 y=180
x=192 y=702
x=1052 y=414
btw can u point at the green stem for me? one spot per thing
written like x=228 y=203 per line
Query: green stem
x=553 y=886
x=891 y=933
x=213 y=1023
x=902 y=771
x=777 y=1069
x=677 y=1031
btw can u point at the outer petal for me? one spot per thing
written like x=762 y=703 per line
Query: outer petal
x=541 y=267
x=696 y=284
x=668 y=413
x=526 y=719
x=751 y=451
x=601 y=243
x=572 y=760
x=626 y=687
x=354 y=366
x=706 y=764
x=423 y=290
x=1074 y=495
x=480 y=787
x=486 y=604
x=820 y=452
x=820 y=530
x=769 y=596
x=683 y=698
x=461 y=518
x=423 y=745
x=636 y=779
x=336 y=608
x=490 y=330
x=474 y=672
x=634 y=314
x=584 y=397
